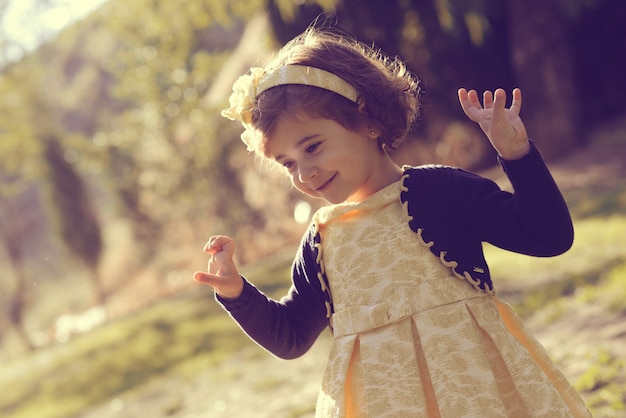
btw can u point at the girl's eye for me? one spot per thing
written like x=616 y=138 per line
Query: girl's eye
x=311 y=148
x=288 y=165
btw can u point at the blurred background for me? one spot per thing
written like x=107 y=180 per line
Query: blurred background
x=115 y=168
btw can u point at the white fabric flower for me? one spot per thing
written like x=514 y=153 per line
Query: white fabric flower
x=241 y=101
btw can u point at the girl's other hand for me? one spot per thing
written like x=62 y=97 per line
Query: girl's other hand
x=503 y=126
x=222 y=274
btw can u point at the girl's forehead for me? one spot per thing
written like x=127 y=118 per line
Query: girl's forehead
x=289 y=131
x=290 y=126
x=294 y=124
x=297 y=116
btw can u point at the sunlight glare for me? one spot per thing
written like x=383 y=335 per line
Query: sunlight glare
x=26 y=24
x=302 y=212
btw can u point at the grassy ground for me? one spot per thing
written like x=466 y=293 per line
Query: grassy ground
x=183 y=356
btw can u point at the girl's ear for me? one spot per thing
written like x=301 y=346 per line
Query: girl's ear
x=372 y=132
x=362 y=108
x=372 y=129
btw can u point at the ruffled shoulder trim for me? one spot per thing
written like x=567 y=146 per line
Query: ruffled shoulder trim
x=439 y=253
x=321 y=271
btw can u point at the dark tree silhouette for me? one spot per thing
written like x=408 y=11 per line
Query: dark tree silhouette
x=75 y=216
x=567 y=56
x=542 y=65
x=13 y=229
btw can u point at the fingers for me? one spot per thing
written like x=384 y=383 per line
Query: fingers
x=228 y=288
x=209 y=279
x=472 y=97
x=222 y=250
x=204 y=278
x=469 y=103
x=516 y=105
x=469 y=99
x=463 y=99
x=222 y=273
x=499 y=102
x=503 y=126
x=488 y=99
x=220 y=243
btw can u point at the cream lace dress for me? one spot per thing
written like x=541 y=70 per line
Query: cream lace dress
x=413 y=340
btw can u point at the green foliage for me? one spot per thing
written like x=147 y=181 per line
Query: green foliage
x=598 y=245
x=176 y=336
x=168 y=146
x=125 y=92
x=608 y=199
x=610 y=292
x=22 y=117
x=604 y=381
x=182 y=334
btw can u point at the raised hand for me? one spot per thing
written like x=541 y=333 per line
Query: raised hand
x=503 y=126
x=222 y=273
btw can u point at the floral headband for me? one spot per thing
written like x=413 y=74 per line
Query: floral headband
x=249 y=86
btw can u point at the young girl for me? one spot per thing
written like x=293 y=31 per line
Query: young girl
x=394 y=264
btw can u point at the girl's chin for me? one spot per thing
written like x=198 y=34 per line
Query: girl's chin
x=326 y=197
x=336 y=199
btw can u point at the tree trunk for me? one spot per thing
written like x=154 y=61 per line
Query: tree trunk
x=76 y=216
x=543 y=68
x=12 y=228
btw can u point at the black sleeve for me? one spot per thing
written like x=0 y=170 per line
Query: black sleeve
x=532 y=220
x=289 y=327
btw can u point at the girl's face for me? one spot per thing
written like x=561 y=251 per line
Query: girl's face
x=327 y=161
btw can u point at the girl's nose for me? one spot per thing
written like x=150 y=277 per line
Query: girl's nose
x=306 y=173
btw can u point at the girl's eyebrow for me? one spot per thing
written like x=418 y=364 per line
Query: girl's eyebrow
x=298 y=144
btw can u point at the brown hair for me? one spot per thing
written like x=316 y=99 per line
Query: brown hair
x=388 y=94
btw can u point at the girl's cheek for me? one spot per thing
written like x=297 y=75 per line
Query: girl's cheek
x=300 y=187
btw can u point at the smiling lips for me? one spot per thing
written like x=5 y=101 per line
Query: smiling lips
x=323 y=186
